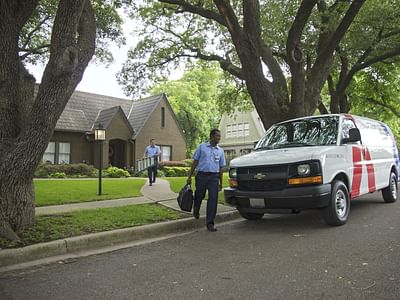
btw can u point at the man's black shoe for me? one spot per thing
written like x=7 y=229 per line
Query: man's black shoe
x=150 y=183
x=210 y=227
x=196 y=214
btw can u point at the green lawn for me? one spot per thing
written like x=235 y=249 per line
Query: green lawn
x=60 y=191
x=176 y=183
x=53 y=227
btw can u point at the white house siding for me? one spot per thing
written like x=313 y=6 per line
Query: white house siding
x=239 y=132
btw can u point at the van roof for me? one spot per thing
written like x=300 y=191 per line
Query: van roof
x=330 y=115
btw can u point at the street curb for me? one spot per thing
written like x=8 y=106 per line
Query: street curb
x=70 y=245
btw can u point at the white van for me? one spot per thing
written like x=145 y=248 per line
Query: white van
x=315 y=162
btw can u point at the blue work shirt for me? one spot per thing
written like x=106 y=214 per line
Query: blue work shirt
x=152 y=151
x=210 y=158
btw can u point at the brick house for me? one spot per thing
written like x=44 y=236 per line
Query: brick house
x=129 y=125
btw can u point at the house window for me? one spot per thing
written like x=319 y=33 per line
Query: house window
x=234 y=130
x=162 y=116
x=240 y=129
x=57 y=153
x=246 y=129
x=50 y=153
x=228 y=131
x=64 y=152
x=166 y=152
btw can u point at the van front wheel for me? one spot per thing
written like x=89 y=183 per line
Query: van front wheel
x=338 y=209
x=389 y=193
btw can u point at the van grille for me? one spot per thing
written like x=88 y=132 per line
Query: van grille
x=263 y=178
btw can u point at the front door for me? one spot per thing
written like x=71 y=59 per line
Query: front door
x=116 y=153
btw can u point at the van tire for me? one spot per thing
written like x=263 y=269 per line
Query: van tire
x=338 y=209
x=250 y=216
x=389 y=193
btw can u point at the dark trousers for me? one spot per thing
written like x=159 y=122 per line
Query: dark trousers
x=207 y=182
x=152 y=172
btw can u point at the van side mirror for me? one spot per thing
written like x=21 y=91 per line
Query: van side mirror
x=354 y=136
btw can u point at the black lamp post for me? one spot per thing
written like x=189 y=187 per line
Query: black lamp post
x=100 y=135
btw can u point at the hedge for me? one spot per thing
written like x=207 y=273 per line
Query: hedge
x=44 y=170
x=47 y=170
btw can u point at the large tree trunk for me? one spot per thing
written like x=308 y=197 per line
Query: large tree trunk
x=27 y=123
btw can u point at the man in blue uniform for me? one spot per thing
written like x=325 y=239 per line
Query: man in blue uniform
x=152 y=151
x=208 y=160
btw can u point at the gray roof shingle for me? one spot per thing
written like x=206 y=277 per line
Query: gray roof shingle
x=73 y=120
x=141 y=111
x=91 y=104
x=85 y=110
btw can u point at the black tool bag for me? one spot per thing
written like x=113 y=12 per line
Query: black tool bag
x=185 y=198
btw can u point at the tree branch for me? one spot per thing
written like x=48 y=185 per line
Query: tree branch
x=340 y=31
x=320 y=71
x=225 y=64
x=297 y=28
x=252 y=28
x=391 y=108
x=30 y=34
x=198 y=10
x=33 y=51
x=226 y=11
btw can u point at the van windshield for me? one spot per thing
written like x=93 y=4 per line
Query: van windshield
x=299 y=133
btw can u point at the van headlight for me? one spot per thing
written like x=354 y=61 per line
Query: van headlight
x=304 y=169
x=232 y=173
x=233 y=183
x=308 y=172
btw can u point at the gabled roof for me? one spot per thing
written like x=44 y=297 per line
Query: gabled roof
x=105 y=117
x=91 y=104
x=86 y=110
x=141 y=111
x=73 y=120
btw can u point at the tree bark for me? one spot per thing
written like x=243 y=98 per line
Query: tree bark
x=27 y=123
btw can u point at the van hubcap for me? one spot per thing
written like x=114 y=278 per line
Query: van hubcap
x=341 y=204
x=394 y=187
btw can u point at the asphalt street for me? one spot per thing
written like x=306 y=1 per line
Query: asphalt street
x=278 y=257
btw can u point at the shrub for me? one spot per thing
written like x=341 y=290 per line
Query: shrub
x=57 y=175
x=115 y=172
x=176 y=171
x=172 y=163
x=188 y=162
x=70 y=170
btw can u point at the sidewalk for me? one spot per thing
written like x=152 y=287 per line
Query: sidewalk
x=160 y=192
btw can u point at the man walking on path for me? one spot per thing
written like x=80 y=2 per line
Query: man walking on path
x=208 y=159
x=152 y=151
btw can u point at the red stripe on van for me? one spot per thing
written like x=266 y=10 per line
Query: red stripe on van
x=370 y=171
x=357 y=172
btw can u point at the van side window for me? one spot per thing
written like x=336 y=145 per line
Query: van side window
x=346 y=126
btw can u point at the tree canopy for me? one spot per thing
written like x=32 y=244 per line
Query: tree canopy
x=375 y=93
x=283 y=52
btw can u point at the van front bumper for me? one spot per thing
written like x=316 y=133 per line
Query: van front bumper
x=298 y=198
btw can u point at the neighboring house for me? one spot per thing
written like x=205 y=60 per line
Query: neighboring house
x=239 y=133
x=129 y=126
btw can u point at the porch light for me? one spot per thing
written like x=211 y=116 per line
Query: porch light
x=100 y=133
